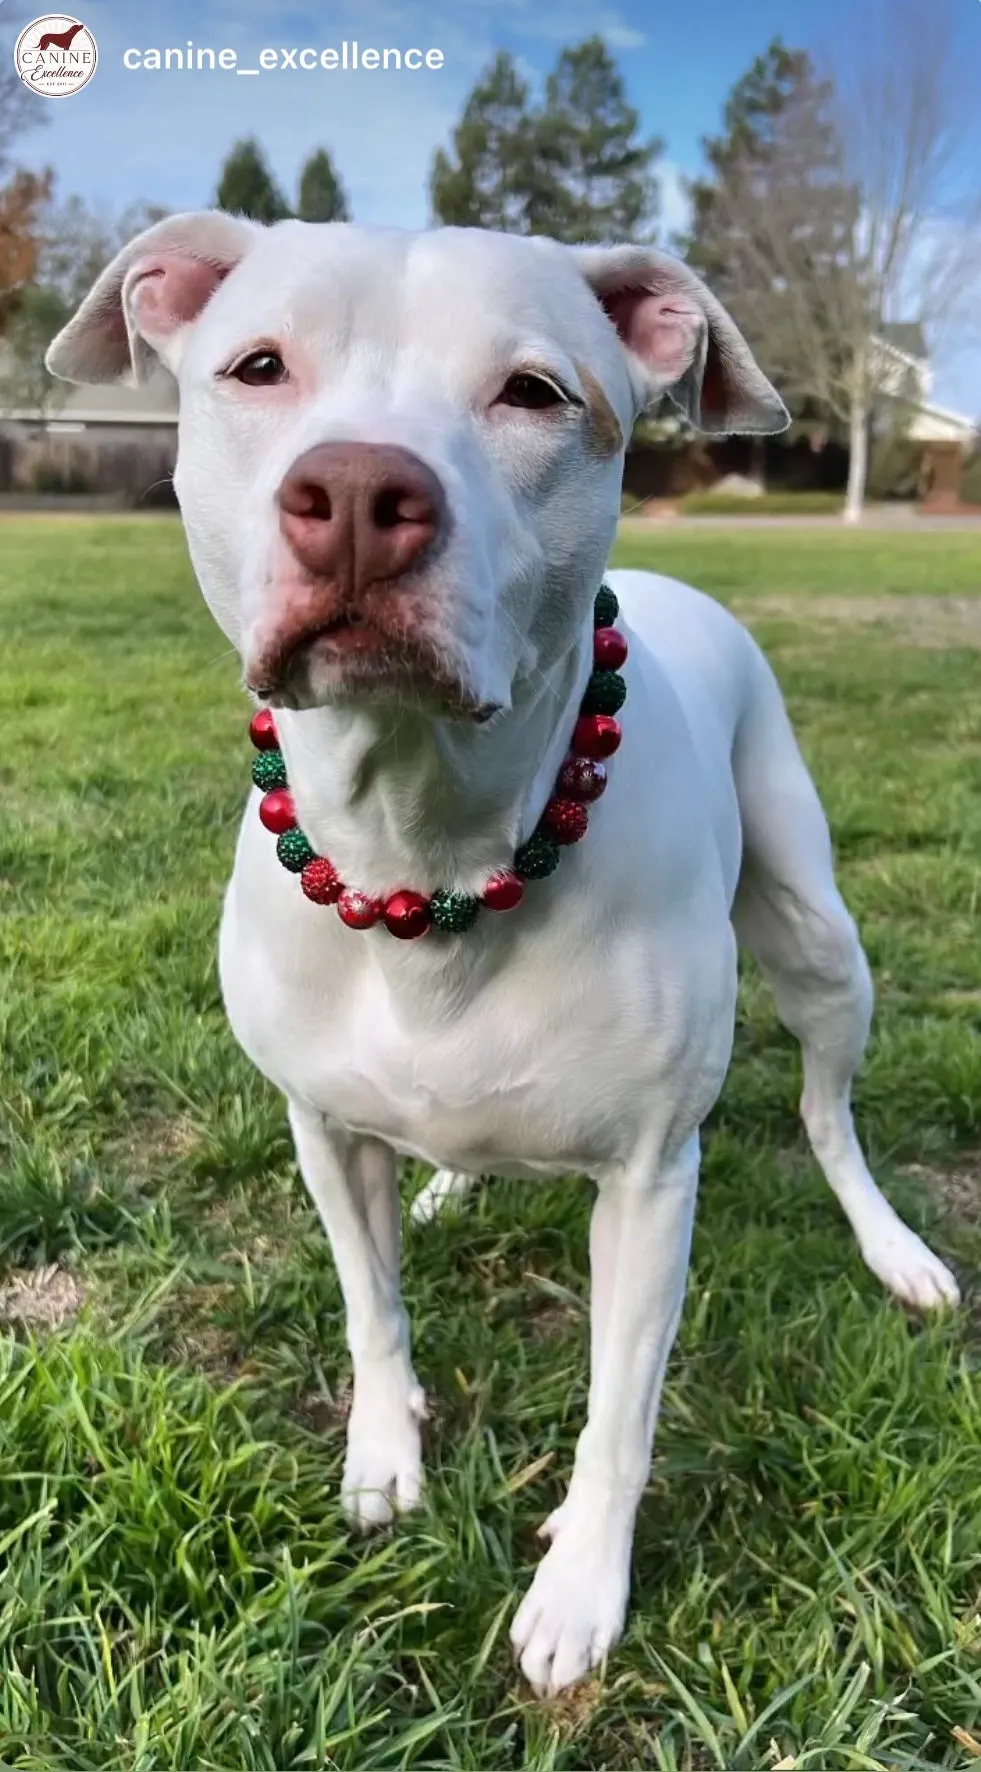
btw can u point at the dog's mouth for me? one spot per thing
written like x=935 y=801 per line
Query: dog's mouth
x=357 y=654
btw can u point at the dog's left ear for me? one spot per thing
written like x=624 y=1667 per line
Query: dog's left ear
x=682 y=339
x=144 y=301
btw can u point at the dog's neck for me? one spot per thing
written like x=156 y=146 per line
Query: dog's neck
x=396 y=798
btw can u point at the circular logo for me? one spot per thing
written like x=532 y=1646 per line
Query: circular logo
x=56 y=55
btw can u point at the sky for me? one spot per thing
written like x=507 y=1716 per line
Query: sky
x=161 y=136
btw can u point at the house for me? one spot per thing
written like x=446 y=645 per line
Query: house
x=109 y=439
x=667 y=461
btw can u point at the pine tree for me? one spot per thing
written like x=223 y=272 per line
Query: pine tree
x=602 y=185
x=486 y=182
x=247 y=187
x=775 y=216
x=322 y=197
x=572 y=166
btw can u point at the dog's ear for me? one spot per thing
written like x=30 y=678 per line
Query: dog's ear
x=153 y=289
x=682 y=338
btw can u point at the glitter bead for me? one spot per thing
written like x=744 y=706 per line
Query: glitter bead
x=580 y=778
x=606 y=693
x=277 y=811
x=453 y=912
x=596 y=735
x=269 y=771
x=262 y=731
x=605 y=607
x=504 y=891
x=609 y=649
x=357 y=910
x=537 y=858
x=566 y=820
x=406 y=914
x=294 y=851
x=320 y=881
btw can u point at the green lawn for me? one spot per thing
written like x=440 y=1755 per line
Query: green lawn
x=177 y=1587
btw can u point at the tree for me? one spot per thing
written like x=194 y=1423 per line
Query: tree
x=79 y=240
x=587 y=137
x=322 y=197
x=22 y=203
x=25 y=384
x=835 y=205
x=247 y=187
x=491 y=179
x=20 y=110
x=571 y=166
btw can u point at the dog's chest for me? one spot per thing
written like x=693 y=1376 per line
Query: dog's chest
x=527 y=1074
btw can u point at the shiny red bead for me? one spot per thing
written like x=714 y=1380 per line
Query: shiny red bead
x=567 y=820
x=357 y=910
x=262 y=731
x=277 y=811
x=580 y=778
x=596 y=735
x=609 y=649
x=320 y=881
x=503 y=892
x=406 y=915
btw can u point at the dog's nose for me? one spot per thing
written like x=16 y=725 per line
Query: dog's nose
x=363 y=512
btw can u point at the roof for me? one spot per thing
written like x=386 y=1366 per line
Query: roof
x=906 y=336
x=155 y=403
x=115 y=403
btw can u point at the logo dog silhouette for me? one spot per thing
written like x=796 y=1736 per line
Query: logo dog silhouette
x=60 y=39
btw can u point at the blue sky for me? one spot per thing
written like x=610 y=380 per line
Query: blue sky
x=162 y=136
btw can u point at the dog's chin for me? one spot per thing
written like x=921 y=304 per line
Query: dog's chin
x=357 y=667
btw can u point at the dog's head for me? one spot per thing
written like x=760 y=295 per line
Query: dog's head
x=400 y=454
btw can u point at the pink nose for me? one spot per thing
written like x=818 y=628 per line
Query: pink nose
x=360 y=512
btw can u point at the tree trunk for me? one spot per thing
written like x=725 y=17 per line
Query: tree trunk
x=858 y=460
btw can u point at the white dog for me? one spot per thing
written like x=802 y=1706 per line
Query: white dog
x=399 y=470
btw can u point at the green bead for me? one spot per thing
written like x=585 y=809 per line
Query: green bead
x=269 y=771
x=294 y=851
x=605 y=608
x=453 y=912
x=537 y=858
x=606 y=693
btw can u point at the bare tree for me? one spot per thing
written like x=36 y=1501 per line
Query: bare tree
x=865 y=209
x=20 y=110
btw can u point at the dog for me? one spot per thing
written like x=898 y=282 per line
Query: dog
x=399 y=468
x=59 y=39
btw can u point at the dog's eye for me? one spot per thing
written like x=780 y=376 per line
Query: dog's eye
x=532 y=392
x=264 y=369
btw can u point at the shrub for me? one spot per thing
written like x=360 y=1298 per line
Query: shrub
x=771 y=504
x=48 y=476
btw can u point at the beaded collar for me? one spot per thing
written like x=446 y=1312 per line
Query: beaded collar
x=581 y=780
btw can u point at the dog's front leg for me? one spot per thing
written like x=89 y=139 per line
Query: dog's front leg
x=353 y=1184
x=639 y=1246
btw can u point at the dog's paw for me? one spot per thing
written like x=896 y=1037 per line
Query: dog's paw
x=445 y=1185
x=573 y=1612
x=383 y=1464
x=902 y=1261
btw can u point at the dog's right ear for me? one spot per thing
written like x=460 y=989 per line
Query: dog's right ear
x=144 y=301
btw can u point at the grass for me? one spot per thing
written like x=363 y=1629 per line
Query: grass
x=177 y=1588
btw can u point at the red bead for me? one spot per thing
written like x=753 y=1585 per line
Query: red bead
x=580 y=778
x=609 y=649
x=596 y=735
x=503 y=892
x=277 y=811
x=566 y=819
x=320 y=881
x=357 y=910
x=262 y=731
x=406 y=915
